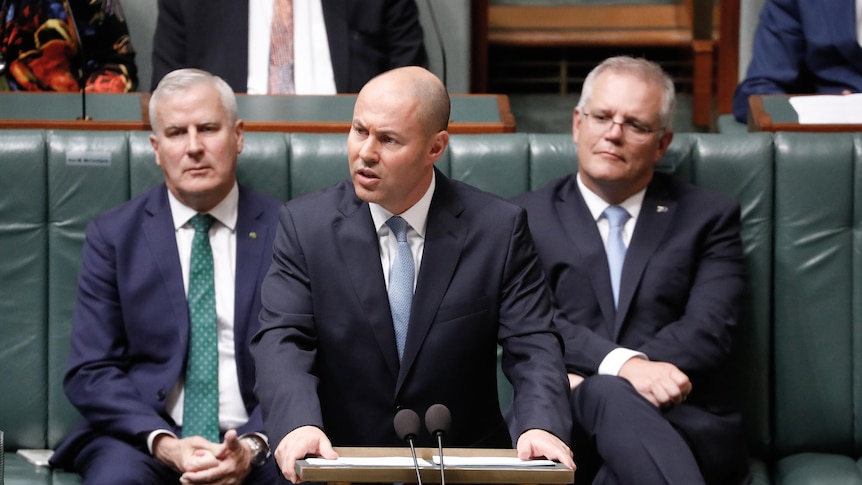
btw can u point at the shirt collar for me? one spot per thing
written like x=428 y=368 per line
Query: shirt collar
x=597 y=205
x=225 y=212
x=416 y=216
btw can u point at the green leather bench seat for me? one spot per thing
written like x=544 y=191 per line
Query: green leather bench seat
x=798 y=356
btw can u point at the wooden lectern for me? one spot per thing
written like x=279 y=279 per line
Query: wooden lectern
x=347 y=474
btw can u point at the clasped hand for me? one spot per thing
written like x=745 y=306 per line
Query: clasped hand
x=203 y=462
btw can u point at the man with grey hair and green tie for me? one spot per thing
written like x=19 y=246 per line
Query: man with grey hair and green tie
x=168 y=299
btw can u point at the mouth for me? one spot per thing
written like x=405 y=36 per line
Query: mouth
x=366 y=175
x=198 y=170
x=609 y=154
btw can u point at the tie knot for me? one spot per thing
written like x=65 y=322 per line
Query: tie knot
x=202 y=222
x=616 y=215
x=398 y=227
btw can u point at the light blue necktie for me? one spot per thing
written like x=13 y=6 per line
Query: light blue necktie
x=200 y=404
x=616 y=248
x=401 y=282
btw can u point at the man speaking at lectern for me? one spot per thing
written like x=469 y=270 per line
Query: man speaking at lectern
x=392 y=292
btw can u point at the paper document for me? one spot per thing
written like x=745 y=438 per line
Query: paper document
x=828 y=109
x=460 y=461
x=36 y=456
x=399 y=461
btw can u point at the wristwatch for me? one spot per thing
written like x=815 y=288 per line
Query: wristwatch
x=259 y=451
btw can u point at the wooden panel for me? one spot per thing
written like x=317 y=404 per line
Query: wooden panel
x=672 y=16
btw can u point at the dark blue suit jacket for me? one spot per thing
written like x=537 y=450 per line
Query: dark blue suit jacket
x=802 y=47
x=366 y=38
x=326 y=349
x=680 y=293
x=131 y=322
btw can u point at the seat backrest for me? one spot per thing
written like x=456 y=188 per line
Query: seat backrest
x=56 y=181
x=24 y=286
x=818 y=272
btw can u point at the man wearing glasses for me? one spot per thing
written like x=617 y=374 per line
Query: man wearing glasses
x=648 y=275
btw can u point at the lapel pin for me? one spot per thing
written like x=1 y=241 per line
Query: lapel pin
x=252 y=235
x=661 y=208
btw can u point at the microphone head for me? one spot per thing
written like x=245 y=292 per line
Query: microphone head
x=406 y=424
x=438 y=419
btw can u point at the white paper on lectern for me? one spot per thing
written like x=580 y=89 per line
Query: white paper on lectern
x=489 y=461
x=399 y=461
x=828 y=109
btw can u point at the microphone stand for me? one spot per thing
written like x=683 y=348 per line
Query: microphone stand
x=440 y=448
x=437 y=420
x=82 y=59
x=407 y=427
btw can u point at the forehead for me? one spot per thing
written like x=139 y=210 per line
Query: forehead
x=626 y=93
x=387 y=111
x=198 y=103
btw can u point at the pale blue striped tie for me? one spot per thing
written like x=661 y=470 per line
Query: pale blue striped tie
x=401 y=282
x=616 y=247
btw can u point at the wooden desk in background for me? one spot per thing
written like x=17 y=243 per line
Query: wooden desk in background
x=773 y=112
x=344 y=475
x=482 y=113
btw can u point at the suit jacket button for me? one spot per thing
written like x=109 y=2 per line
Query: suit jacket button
x=161 y=395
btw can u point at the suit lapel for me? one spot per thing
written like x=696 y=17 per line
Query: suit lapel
x=158 y=229
x=656 y=214
x=359 y=250
x=581 y=228
x=251 y=249
x=444 y=240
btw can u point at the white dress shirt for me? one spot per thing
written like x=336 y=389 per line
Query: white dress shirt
x=311 y=59
x=416 y=217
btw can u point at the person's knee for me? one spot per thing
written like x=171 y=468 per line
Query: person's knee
x=601 y=388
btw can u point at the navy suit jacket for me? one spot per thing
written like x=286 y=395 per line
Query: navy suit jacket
x=680 y=293
x=366 y=38
x=131 y=322
x=802 y=47
x=326 y=350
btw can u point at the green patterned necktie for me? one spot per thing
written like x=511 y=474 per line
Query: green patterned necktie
x=200 y=405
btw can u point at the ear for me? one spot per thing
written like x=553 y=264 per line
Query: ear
x=154 y=142
x=240 y=137
x=577 y=119
x=663 y=144
x=438 y=145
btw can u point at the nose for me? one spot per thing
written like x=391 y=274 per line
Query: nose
x=368 y=151
x=614 y=131
x=194 y=144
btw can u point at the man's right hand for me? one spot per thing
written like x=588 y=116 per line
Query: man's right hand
x=299 y=443
x=660 y=383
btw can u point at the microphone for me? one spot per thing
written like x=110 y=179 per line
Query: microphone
x=437 y=420
x=407 y=426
